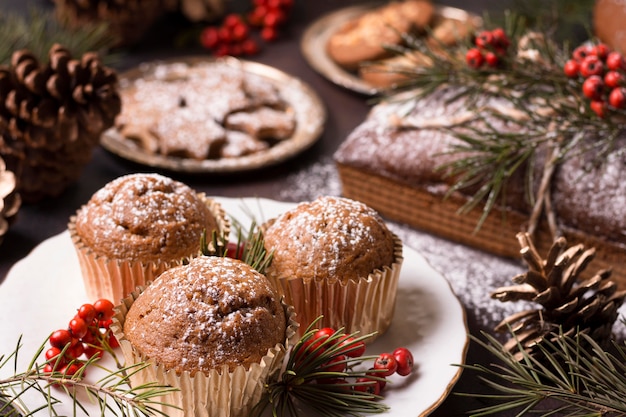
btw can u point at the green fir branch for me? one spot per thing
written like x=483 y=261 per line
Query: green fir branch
x=113 y=392
x=572 y=376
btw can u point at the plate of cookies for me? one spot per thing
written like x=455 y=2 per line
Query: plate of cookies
x=206 y=115
x=352 y=46
x=427 y=318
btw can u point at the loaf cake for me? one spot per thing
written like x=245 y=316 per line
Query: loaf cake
x=335 y=257
x=214 y=328
x=394 y=161
x=136 y=227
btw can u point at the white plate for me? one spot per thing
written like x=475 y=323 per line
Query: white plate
x=42 y=291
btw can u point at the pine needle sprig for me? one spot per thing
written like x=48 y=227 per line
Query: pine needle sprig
x=112 y=392
x=306 y=381
x=572 y=376
x=39 y=30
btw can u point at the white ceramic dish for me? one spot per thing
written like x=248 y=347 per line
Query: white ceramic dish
x=42 y=292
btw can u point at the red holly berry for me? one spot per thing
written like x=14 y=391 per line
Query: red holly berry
x=233 y=250
x=615 y=61
x=601 y=50
x=593 y=87
x=492 y=59
x=500 y=39
x=113 y=342
x=209 y=37
x=77 y=327
x=367 y=385
x=484 y=39
x=335 y=364
x=613 y=79
x=591 y=65
x=104 y=309
x=240 y=32
x=617 y=98
x=54 y=357
x=269 y=33
x=404 y=357
x=474 y=58
x=386 y=364
x=60 y=338
x=351 y=348
x=250 y=47
x=598 y=107
x=232 y=20
x=582 y=52
x=571 y=68
x=87 y=312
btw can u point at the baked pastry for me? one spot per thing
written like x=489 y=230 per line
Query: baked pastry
x=608 y=23
x=335 y=257
x=136 y=227
x=187 y=110
x=393 y=162
x=214 y=328
x=366 y=37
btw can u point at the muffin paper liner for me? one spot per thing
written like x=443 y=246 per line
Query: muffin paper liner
x=365 y=305
x=114 y=279
x=218 y=393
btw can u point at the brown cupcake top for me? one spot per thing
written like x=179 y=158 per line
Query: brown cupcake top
x=328 y=238
x=214 y=311
x=145 y=217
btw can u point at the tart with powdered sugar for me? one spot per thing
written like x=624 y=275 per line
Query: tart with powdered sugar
x=335 y=257
x=138 y=226
x=214 y=328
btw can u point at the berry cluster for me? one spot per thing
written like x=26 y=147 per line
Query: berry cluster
x=233 y=36
x=602 y=73
x=86 y=336
x=490 y=46
x=341 y=352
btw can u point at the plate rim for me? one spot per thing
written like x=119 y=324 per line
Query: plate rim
x=304 y=137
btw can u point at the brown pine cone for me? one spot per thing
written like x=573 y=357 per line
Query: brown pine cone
x=128 y=20
x=10 y=200
x=52 y=116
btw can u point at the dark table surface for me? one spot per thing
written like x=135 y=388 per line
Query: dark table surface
x=471 y=273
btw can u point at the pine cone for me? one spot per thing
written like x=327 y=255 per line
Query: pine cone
x=568 y=306
x=52 y=116
x=128 y=20
x=10 y=200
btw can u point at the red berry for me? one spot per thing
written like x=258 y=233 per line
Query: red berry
x=113 y=342
x=269 y=33
x=232 y=250
x=592 y=65
x=613 y=79
x=259 y=2
x=87 y=312
x=601 y=50
x=75 y=351
x=598 y=107
x=571 y=68
x=492 y=59
x=615 y=61
x=404 y=357
x=593 y=87
x=60 y=338
x=224 y=34
x=274 y=18
x=256 y=16
x=71 y=369
x=484 y=39
x=222 y=50
x=104 y=309
x=78 y=327
x=474 y=58
x=500 y=39
x=240 y=32
x=250 y=47
x=209 y=37
x=335 y=364
x=617 y=98
x=582 y=52
x=323 y=333
x=232 y=20
x=350 y=348
x=367 y=385
x=53 y=356
x=386 y=363
x=92 y=351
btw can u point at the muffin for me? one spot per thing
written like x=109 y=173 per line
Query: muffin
x=214 y=328
x=335 y=257
x=136 y=227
